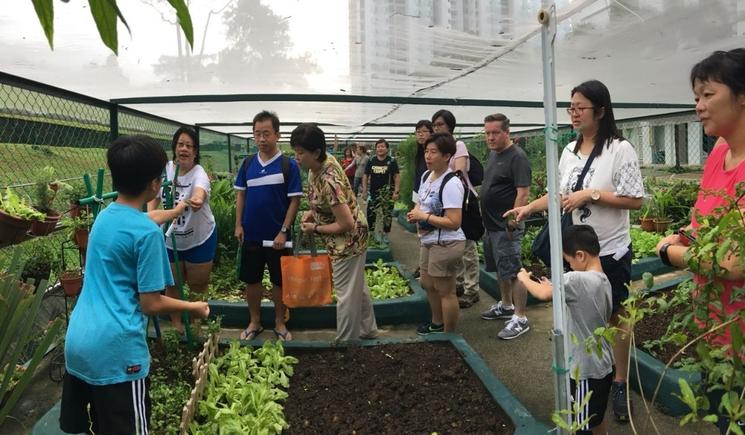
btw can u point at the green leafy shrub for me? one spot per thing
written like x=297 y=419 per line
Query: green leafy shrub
x=407 y=166
x=222 y=204
x=170 y=382
x=19 y=308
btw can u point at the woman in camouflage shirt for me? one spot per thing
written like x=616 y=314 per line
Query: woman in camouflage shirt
x=336 y=217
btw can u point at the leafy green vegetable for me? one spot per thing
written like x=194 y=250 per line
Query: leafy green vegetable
x=385 y=282
x=644 y=243
x=14 y=205
x=244 y=391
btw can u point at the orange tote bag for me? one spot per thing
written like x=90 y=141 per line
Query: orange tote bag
x=306 y=279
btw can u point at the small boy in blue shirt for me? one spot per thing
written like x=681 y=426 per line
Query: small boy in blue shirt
x=106 y=352
x=589 y=306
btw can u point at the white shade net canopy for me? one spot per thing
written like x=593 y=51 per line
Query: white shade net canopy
x=472 y=49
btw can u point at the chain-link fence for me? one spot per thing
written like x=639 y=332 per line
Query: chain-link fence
x=42 y=126
x=674 y=140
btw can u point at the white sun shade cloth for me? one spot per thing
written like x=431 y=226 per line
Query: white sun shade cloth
x=474 y=49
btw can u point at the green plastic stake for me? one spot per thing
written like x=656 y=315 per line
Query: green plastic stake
x=185 y=318
x=96 y=199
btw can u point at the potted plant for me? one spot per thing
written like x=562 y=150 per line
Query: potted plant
x=72 y=281
x=16 y=217
x=72 y=197
x=45 y=190
x=663 y=198
x=78 y=229
x=41 y=257
x=647 y=219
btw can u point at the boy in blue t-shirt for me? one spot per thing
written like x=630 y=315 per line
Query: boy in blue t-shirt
x=589 y=306
x=106 y=353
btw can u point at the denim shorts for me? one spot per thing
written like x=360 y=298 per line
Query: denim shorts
x=203 y=253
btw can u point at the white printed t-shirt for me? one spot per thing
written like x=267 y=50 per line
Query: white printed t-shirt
x=615 y=170
x=429 y=202
x=192 y=228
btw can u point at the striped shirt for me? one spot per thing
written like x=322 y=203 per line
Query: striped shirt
x=267 y=196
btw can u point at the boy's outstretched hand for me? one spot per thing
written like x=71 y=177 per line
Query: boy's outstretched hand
x=200 y=310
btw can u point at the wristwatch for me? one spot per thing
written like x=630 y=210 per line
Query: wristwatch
x=284 y=229
x=595 y=195
x=664 y=257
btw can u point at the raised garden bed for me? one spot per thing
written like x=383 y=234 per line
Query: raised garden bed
x=429 y=385
x=412 y=308
x=650 y=367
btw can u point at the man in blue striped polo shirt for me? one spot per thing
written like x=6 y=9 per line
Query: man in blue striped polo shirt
x=268 y=191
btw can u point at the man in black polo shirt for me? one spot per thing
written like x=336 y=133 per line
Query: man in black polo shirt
x=506 y=185
x=381 y=175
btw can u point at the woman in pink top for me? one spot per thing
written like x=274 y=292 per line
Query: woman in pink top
x=719 y=88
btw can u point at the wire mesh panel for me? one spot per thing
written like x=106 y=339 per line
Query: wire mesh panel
x=131 y=122
x=213 y=151
x=673 y=140
x=39 y=129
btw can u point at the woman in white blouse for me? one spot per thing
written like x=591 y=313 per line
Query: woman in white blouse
x=612 y=186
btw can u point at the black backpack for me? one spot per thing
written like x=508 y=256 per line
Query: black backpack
x=475 y=170
x=471 y=222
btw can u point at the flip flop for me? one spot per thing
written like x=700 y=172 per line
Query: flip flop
x=283 y=336
x=247 y=334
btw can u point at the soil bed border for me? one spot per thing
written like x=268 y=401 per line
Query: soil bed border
x=413 y=308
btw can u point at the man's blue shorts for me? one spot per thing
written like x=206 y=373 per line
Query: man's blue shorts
x=203 y=253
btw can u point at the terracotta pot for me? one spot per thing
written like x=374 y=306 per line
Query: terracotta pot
x=660 y=225
x=72 y=282
x=74 y=210
x=647 y=224
x=42 y=228
x=81 y=238
x=12 y=229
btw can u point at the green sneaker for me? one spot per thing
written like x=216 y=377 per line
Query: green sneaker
x=430 y=328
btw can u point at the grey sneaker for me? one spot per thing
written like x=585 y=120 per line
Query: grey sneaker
x=497 y=311
x=467 y=300
x=514 y=328
x=618 y=401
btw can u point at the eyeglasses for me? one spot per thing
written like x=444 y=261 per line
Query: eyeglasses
x=578 y=110
x=187 y=145
x=423 y=131
x=261 y=134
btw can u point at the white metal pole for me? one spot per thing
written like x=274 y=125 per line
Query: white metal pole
x=547 y=18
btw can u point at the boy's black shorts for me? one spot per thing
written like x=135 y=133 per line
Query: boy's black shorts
x=122 y=408
x=253 y=259
x=595 y=408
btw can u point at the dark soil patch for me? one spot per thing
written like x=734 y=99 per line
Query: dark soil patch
x=390 y=389
x=653 y=327
x=538 y=269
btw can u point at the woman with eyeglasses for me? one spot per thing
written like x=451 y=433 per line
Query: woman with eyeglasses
x=193 y=223
x=611 y=187
x=422 y=132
